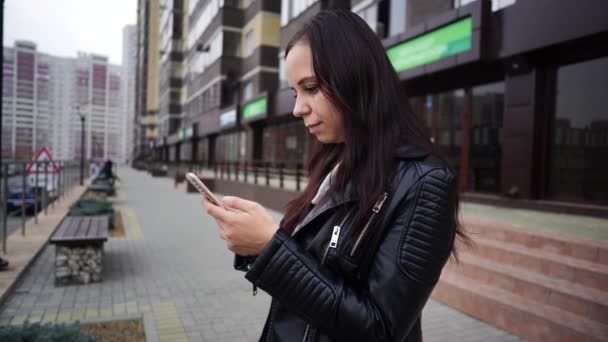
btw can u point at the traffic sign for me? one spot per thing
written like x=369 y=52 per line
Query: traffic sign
x=42 y=156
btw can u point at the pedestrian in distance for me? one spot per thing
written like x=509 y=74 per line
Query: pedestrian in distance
x=3 y=264
x=359 y=251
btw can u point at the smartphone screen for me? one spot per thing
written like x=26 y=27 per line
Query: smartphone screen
x=200 y=186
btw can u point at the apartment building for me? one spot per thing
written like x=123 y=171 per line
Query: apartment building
x=514 y=106
x=96 y=93
x=500 y=102
x=172 y=72
x=231 y=52
x=129 y=67
x=28 y=104
x=44 y=95
x=147 y=77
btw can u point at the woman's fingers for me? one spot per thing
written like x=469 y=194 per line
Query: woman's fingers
x=240 y=204
x=215 y=211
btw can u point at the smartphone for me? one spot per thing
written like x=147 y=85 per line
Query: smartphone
x=200 y=186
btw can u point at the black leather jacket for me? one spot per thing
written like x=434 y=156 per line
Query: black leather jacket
x=323 y=292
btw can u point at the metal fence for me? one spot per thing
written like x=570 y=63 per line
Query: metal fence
x=283 y=175
x=28 y=189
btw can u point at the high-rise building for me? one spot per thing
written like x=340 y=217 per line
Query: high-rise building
x=96 y=94
x=28 y=101
x=129 y=67
x=510 y=95
x=147 y=77
x=172 y=72
x=231 y=58
x=43 y=97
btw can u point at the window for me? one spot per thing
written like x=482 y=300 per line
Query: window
x=282 y=71
x=287 y=143
x=486 y=142
x=579 y=144
x=292 y=8
x=397 y=17
x=284 y=12
x=248 y=90
x=370 y=15
x=249 y=43
x=496 y=4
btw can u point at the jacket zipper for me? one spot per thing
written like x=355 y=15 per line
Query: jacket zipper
x=333 y=243
x=375 y=211
x=335 y=235
x=306 y=333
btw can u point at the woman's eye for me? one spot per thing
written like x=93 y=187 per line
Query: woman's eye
x=311 y=89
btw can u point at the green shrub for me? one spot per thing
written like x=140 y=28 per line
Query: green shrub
x=36 y=332
x=89 y=207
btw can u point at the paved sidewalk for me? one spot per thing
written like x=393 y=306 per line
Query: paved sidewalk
x=173 y=266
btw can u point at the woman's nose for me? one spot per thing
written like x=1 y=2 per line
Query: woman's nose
x=300 y=108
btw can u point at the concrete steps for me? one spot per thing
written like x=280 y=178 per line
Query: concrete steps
x=537 y=286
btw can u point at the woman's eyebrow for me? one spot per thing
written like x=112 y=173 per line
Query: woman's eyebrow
x=306 y=79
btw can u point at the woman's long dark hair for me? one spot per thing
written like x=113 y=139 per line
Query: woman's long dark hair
x=355 y=74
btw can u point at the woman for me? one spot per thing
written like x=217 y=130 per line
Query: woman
x=359 y=251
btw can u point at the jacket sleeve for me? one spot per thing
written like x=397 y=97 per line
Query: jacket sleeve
x=405 y=269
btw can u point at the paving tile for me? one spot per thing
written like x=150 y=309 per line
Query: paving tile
x=181 y=273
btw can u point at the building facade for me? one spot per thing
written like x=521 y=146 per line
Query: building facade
x=172 y=72
x=96 y=93
x=147 y=77
x=129 y=64
x=514 y=106
x=28 y=102
x=44 y=96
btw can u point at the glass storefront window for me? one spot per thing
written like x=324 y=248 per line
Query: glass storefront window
x=286 y=143
x=421 y=106
x=579 y=143
x=449 y=125
x=203 y=150
x=227 y=147
x=486 y=141
x=185 y=152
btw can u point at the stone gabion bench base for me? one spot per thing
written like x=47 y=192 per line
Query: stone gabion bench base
x=81 y=265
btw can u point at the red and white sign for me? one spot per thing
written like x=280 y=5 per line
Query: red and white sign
x=42 y=156
x=40 y=176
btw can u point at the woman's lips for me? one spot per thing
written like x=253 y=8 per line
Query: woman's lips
x=314 y=128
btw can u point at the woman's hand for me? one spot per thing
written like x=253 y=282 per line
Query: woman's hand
x=247 y=229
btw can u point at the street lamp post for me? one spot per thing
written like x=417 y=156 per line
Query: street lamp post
x=82 y=150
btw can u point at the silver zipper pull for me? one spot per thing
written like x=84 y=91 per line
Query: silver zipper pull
x=380 y=203
x=334 y=237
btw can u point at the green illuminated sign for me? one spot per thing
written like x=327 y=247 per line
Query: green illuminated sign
x=180 y=134
x=446 y=41
x=255 y=108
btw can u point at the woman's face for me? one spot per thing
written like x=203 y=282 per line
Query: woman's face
x=320 y=116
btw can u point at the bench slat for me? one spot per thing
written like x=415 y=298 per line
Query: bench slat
x=83 y=229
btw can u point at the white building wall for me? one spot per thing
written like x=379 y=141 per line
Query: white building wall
x=129 y=62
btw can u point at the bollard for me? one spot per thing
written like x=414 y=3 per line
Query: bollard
x=23 y=188
x=245 y=171
x=4 y=187
x=45 y=195
x=281 y=166
x=267 y=172
x=298 y=166
x=36 y=194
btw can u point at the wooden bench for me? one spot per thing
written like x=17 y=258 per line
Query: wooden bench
x=79 y=244
x=102 y=187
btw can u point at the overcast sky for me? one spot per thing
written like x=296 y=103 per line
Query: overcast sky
x=63 y=27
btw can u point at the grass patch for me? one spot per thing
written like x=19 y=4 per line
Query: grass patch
x=116 y=331
x=118 y=230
